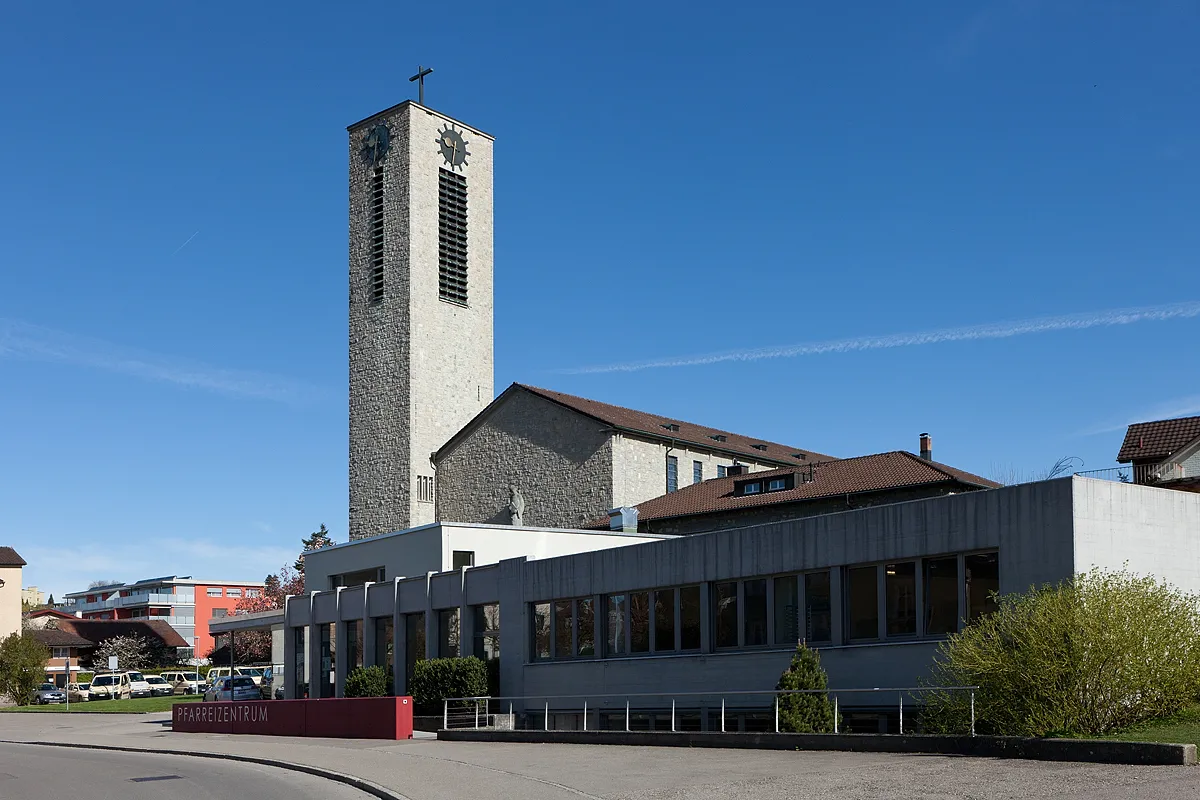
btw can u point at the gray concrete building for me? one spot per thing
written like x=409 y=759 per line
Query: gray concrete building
x=573 y=459
x=874 y=590
x=420 y=305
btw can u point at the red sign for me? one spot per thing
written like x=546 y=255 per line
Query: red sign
x=349 y=718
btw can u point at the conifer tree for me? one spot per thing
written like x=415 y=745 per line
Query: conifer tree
x=318 y=539
x=805 y=713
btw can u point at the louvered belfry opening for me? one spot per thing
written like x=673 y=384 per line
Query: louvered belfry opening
x=452 y=237
x=376 y=235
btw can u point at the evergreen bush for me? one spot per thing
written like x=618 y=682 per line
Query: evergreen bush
x=805 y=713
x=436 y=679
x=1088 y=656
x=366 y=682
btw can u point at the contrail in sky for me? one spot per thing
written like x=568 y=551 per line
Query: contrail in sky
x=995 y=330
x=185 y=244
x=34 y=343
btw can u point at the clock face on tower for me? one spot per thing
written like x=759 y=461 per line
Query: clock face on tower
x=453 y=147
x=375 y=145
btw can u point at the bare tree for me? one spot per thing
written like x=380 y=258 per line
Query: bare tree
x=1009 y=474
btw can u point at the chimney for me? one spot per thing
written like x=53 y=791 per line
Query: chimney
x=623 y=519
x=737 y=469
x=926 y=447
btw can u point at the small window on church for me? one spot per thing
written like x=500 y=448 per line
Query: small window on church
x=672 y=473
x=425 y=488
x=452 y=237
x=722 y=470
x=375 y=239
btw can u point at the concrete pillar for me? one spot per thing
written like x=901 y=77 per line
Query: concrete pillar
x=837 y=609
x=515 y=633
x=431 y=628
x=341 y=655
x=368 y=629
x=706 y=621
x=289 y=652
x=399 y=643
x=466 y=620
x=314 y=652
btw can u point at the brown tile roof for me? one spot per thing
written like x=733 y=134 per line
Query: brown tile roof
x=53 y=638
x=689 y=433
x=50 y=612
x=9 y=558
x=872 y=473
x=100 y=629
x=1157 y=439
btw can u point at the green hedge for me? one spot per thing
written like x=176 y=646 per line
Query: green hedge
x=367 y=682
x=436 y=679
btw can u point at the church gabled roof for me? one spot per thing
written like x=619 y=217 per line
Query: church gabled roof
x=848 y=476
x=656 y=426
x=10 y=558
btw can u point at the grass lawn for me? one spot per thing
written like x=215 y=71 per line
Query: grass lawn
x=1183 y=728
x=140 y=704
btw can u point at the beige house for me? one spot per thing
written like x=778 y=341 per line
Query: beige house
x=10 y=591
x=561 y=461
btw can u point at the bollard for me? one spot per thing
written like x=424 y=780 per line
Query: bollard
x=672 y=715
x=835 y=714
x=627 y=716
x=777 y=713
x=445 y=714
x=722 y=715
x=547 y=715
x=901 y=713
x=585 y=715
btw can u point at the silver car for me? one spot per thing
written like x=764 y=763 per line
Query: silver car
x=239 y=687
x=48 y=693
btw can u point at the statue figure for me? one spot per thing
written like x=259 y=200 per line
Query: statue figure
x=516 y=506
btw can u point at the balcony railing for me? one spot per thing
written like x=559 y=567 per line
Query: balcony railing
x=143 y=599
x=1141 y=474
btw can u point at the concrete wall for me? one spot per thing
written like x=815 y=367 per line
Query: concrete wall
x=1147 y=530
x=560 y=460
x=494 y=543
x=420 y=367
x=10 y=601
x=640 y=467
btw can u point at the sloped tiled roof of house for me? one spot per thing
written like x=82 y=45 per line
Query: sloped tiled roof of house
x=98 y=630
x=10 y=558
x=659 y=427
x=878 y=472
x=55 y=638
x=1157 y=439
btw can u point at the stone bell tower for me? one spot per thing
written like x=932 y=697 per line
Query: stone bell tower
x=420 y=305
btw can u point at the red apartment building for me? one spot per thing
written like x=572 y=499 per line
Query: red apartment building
x=185 y=603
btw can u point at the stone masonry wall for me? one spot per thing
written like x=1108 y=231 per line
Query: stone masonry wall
x=640 y=467
x=561 y=461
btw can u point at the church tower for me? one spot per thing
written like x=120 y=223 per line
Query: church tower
x=420 y=305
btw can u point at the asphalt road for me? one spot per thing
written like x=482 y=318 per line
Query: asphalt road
x=33 y=772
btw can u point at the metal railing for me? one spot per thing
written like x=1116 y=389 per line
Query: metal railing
x=478 y=712
x=1141 y=474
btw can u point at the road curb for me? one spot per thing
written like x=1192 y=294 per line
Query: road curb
x=354 y=781
x=1082 y=750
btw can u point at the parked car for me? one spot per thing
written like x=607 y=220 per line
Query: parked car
x=279 y=695
x=217 y=673
x=183 y=682
x=159 y=687
x=49 y=693
x=239 y=687
x=138 y=686
x=113 y=686
x=79 y=692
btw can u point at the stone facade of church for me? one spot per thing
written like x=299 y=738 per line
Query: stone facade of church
x=569 y=467
x=420 y=367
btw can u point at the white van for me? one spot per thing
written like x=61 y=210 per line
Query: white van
x=138 y=687
x=184 y=682
x=110 y=686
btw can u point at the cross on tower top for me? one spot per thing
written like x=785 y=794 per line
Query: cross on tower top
x=420 y=78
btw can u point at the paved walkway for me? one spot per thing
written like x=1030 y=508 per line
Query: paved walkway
x=425 y=769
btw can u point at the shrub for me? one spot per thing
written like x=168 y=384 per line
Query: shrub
x=436 y=679
x=366 y=682
x=1101 y=652
x=22 y=667
x=805 y=713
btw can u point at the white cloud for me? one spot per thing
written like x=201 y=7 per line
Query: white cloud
x=21 y=340
x=996 y=330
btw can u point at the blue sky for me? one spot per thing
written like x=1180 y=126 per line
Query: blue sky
x=672 y=180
